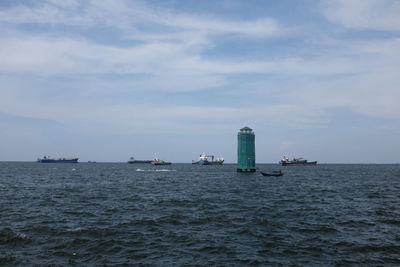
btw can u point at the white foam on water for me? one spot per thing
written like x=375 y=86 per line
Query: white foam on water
x=155 y=170
x=78 y=229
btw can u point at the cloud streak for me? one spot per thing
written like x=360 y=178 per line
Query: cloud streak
x=127 y=15
x=367 y=14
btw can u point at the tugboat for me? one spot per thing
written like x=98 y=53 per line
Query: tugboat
x=133 y=160
x=296 y=162
x=48 y=159
x=157 y=161
x=274 y=173
x=205 y=160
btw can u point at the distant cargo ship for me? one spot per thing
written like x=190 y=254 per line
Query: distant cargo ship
x=48 y=159
x=296 y=162
x=157 y=161
x=208 y=160
x=133 y=160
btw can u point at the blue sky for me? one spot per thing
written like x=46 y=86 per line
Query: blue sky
x=106 y=80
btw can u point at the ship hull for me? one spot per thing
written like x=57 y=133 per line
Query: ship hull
x=206 y=162
x=272 y=174
x=311 y=163
x=161 y=163
x=139 y=161
x=58 y=160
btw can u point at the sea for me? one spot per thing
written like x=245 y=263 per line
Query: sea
x=119 y=214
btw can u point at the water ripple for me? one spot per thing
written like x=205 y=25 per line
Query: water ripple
x=119 y=214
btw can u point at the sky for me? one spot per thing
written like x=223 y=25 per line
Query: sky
x=107 y=80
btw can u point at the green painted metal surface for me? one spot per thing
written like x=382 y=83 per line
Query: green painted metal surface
x=246 y=151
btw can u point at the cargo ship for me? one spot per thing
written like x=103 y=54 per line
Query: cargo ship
x=208 y=160
x=157 y=161
x=48 y=159
x=133 y=160
x=296 y=162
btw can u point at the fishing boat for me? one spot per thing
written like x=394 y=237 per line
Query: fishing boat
x=48 y=159
x=157 y=161
x=208 y=160
x=133 y=160
x=274 y=173
x=296 y=162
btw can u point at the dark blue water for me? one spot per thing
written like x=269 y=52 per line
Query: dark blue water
x=115 y=214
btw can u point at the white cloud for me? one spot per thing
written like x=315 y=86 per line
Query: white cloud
x=260 y=27
x=46 y=56
x=173 y=62
x=127 y=14
x=365 y=14
x=370 y=89
x=172 y=58
x=91 y=113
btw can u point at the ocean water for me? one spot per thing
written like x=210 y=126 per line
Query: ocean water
x=90 y=214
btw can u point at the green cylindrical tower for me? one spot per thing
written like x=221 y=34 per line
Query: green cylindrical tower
x=246 y=151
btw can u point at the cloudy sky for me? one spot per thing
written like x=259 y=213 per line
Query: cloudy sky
x=106 y=80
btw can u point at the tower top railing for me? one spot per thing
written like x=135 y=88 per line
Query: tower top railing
x=246 y=130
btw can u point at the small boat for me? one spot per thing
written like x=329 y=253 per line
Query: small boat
x=133 y=160
x=48 y=159
x=208 y=160
x=274 y=173
x=296 y=162
x=157 y=161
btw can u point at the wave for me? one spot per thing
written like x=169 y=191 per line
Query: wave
x=155 y=170
x=9 y=236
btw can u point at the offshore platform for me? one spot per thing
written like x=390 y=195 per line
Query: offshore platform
x=246 y=161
